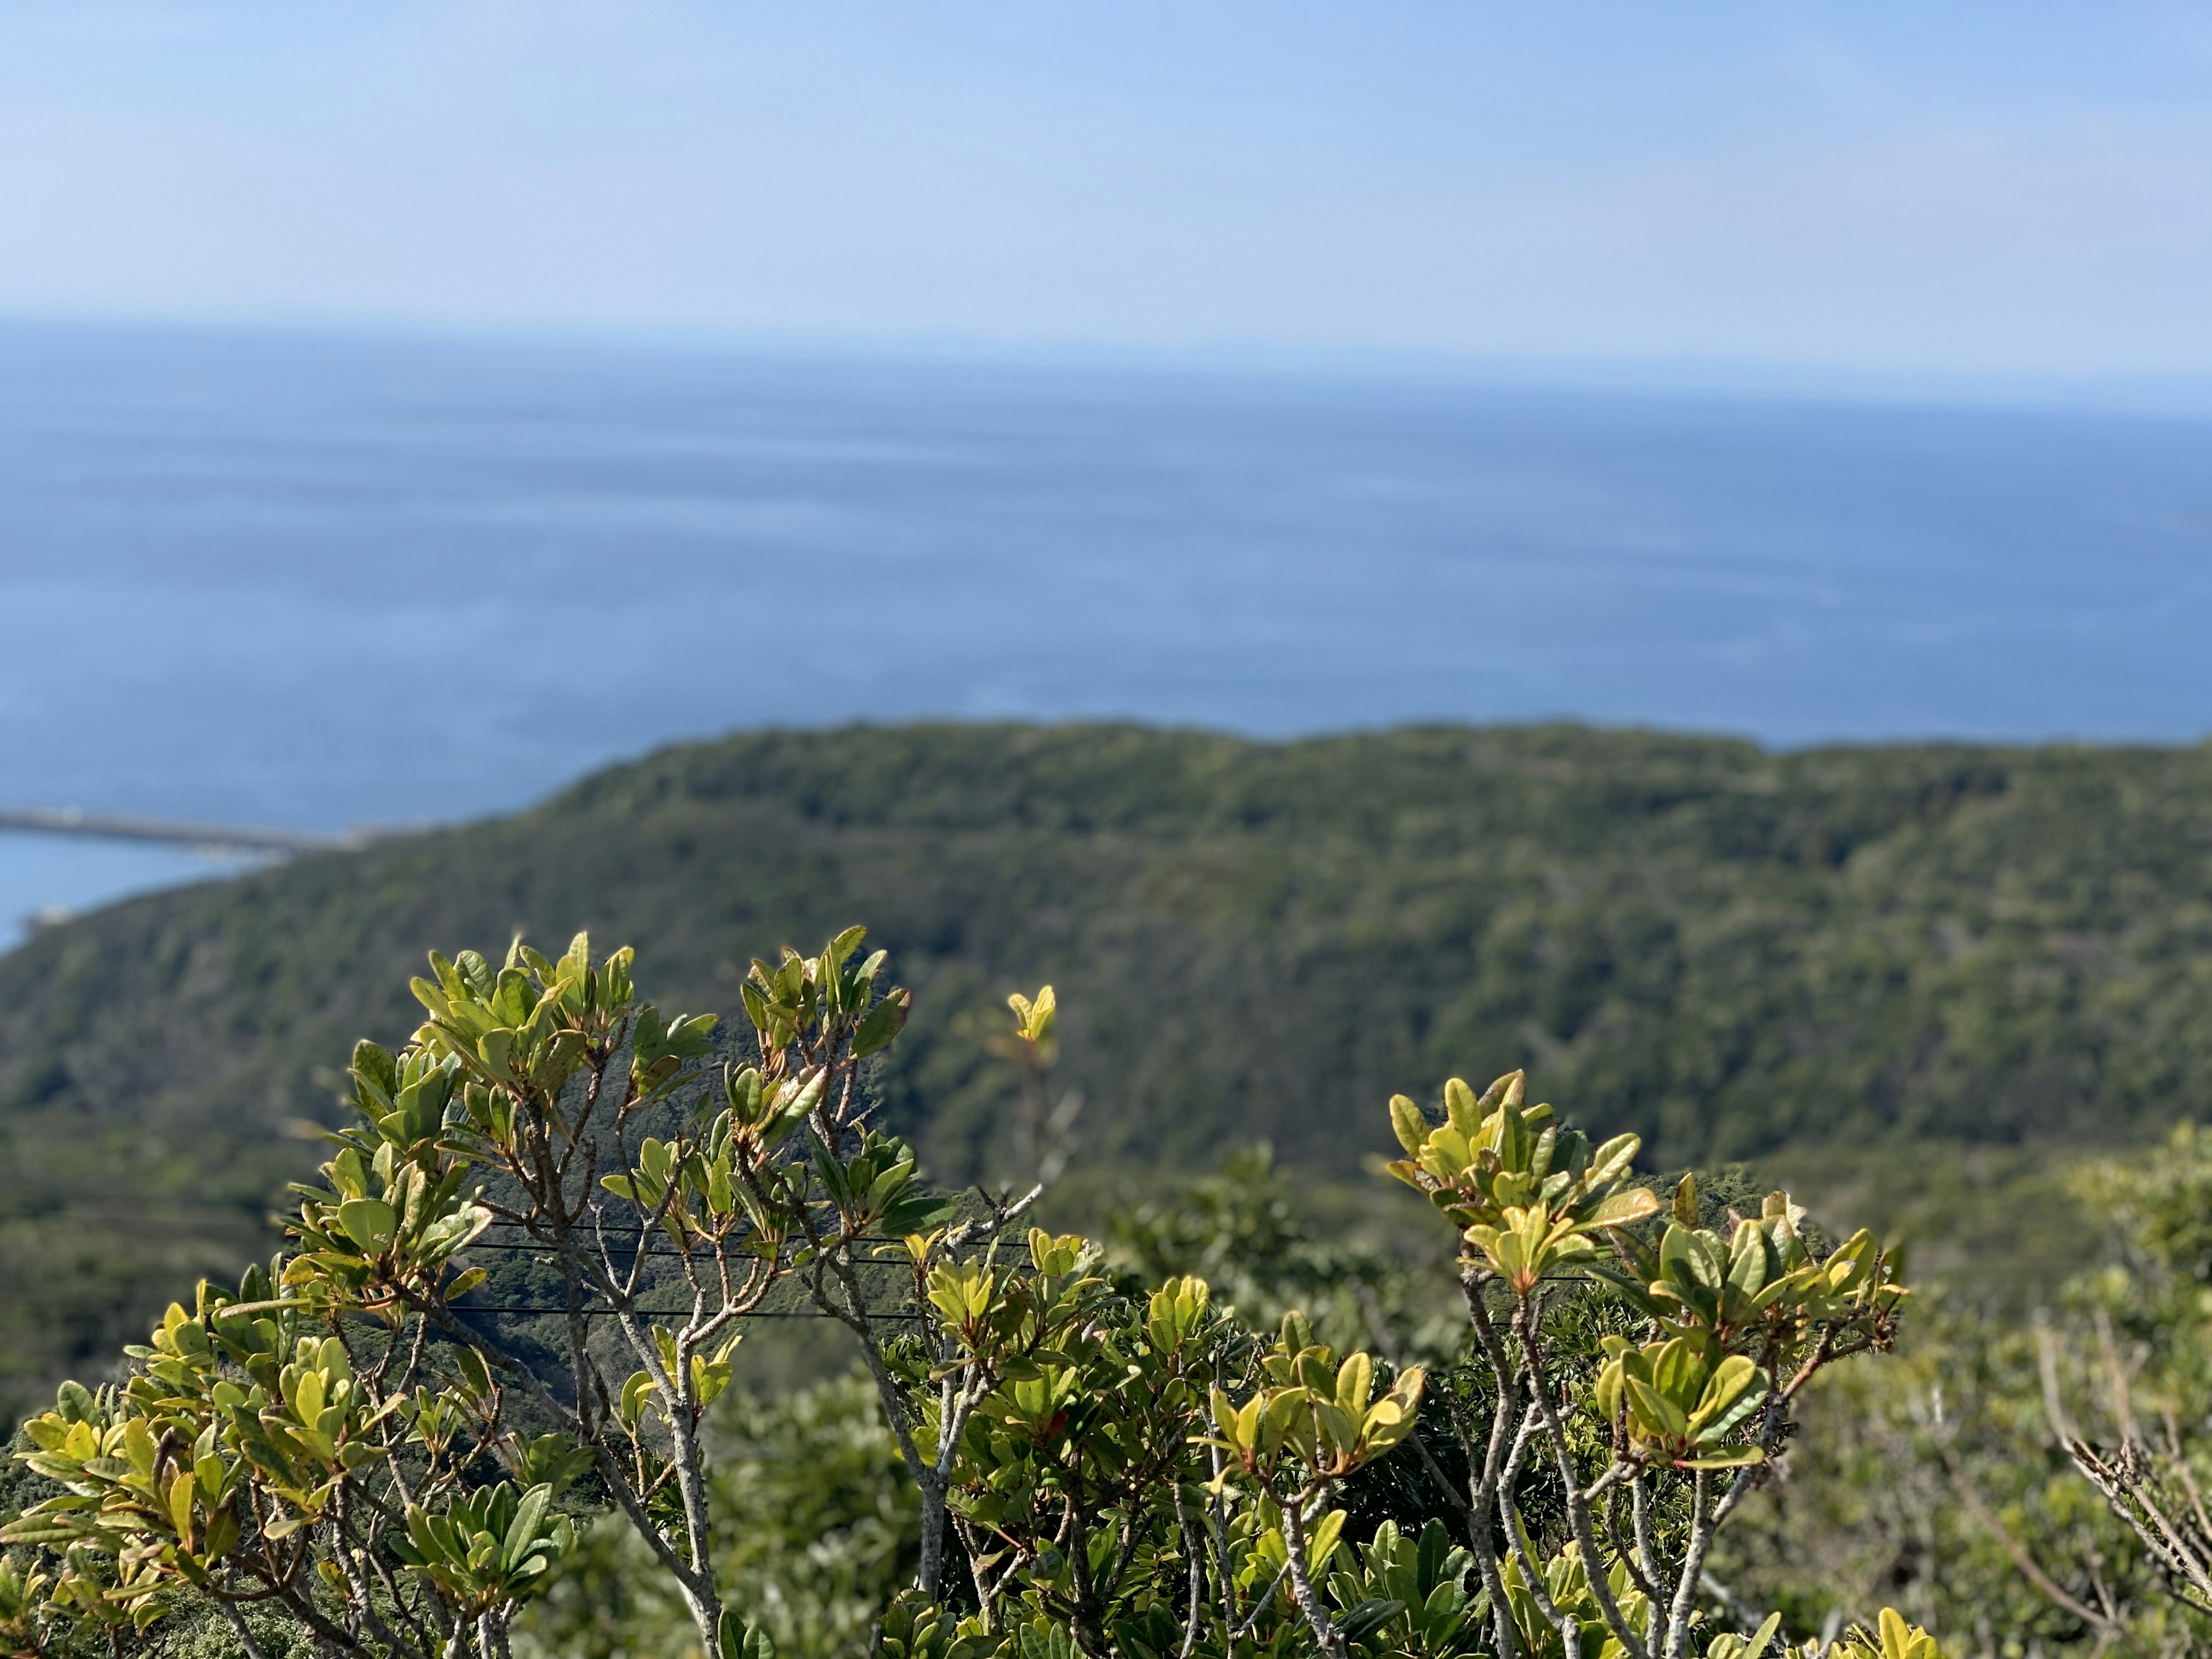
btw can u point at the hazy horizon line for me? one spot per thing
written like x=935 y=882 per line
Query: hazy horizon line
x=2179 y=395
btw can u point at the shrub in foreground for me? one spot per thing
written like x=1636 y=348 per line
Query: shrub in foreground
x=367 y=1450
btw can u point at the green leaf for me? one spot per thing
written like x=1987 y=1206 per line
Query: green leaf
x=375 y=1065
x=1724 y=1460
x=1406 y=1121
x=1320 y=1543
x=475 y=971
x=75 y=1402
x=181 y=1492
x=1624 y=1209
x=462 y=1283
x=1686 y=1201
x=369 y=1222
x=916 y=1212
x=522 y=1533
x=881 y=1024
x=756 y=1009
x=1359 y=1623
x=1725 y=1419
x=1660 y=1414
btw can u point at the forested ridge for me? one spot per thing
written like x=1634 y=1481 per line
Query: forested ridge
x=1736 y=953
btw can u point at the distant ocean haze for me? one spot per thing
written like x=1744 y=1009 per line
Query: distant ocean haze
x=320 y=581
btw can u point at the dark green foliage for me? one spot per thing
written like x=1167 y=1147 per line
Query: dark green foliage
x=816 y=1532
x=1728 y=950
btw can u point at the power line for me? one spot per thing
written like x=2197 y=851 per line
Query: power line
x=839 y=1238
x=671 y=1313
x=692 y=1254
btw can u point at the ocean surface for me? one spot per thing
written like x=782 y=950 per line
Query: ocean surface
x=324 y=582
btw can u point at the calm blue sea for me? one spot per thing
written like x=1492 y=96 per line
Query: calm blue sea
x=322 y=582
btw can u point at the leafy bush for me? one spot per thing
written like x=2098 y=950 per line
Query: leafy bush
x=2033 y=1485
x=358 y=1442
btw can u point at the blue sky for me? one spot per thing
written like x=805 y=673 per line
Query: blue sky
x=1880 y=187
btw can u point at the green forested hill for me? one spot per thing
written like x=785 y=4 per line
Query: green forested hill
x=1731 y=951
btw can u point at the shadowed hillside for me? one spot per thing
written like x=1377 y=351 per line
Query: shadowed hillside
x=1735 y=952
